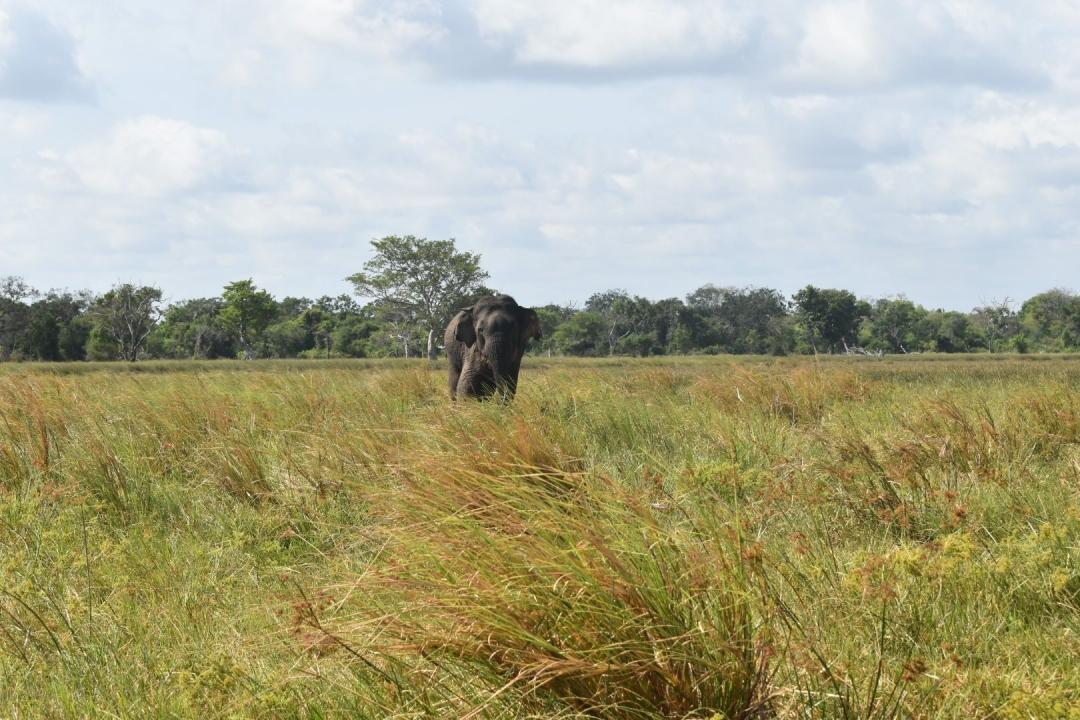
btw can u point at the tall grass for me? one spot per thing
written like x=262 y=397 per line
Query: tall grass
x=553 y=593
x=657 y=539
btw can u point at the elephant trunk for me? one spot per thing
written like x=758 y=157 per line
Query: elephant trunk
x=499 y=359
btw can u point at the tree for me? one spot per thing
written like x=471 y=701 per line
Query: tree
x=44 y=337
x=948 y=332
x=190 y=329
x=341 y=306
x=419 y=282
x=829 y=316
x=14 y=313
x=551 y=317
x=622 y=316
x=320 y=326
x=59 y=327
x=895 y=321
x=737 y=320
x=1053 y=318
x=353 y=334
x=126 y=315
x=285 y=338
x=101 y=346
x=247 y=313
x=998 y=320
x=337 y=326
x=584 y=334
x=636 y=325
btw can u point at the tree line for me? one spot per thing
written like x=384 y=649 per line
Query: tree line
x=412 y=287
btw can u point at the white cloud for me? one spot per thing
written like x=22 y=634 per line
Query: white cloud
x=21 y=125
x=903 y=147
x=834 y=46
x=611 y=33
x=38 y=58
x=313 y=36
x=840 y=46
x=7 y=38
x=830 y=45
x=765 y=200
x=997 y=166
x=148 y=156
x=380 y=27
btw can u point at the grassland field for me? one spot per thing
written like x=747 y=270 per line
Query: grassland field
x=659 y=538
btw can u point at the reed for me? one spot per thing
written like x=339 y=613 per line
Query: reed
x=663 y=538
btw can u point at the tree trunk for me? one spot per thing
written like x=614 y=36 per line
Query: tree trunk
x=432 y=351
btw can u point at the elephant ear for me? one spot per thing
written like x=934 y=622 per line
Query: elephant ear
x=530 y=326
x=464 y=330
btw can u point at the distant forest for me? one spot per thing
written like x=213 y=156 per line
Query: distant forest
x=131 y=323
x=414 y=287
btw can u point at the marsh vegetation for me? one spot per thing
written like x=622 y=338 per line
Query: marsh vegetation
x=628 y=539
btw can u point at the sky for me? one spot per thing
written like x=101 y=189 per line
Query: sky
x=930 y=149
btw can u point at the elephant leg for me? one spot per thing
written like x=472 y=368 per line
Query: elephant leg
x=455 y=378
x=455 y=363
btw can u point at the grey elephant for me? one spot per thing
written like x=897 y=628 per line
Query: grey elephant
x=485 y=343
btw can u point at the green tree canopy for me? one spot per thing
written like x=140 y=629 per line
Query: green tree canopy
x=551 y=317
x=998 y=321
x=737 y=320
x=830 y=317
x=247 y=313
x=584 y=334
x=1054 y=316
x=14 y=313
x=422 y=282
x=126 y=315
x=191 y=330
x=58 y=327
x=895 y=324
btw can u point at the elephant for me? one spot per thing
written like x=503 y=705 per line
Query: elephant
x=484 y=344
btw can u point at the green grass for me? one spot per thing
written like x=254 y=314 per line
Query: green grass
x=701 y=537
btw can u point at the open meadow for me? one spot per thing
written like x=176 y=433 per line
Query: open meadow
x=662 y=538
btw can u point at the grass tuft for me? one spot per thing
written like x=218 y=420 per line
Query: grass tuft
x=561 y=593
x=659 y=538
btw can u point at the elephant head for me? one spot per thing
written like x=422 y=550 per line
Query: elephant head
x=492 y=334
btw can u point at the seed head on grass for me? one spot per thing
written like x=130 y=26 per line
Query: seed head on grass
x=559 y=587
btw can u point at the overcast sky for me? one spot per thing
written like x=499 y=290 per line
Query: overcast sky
x=900 y=146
